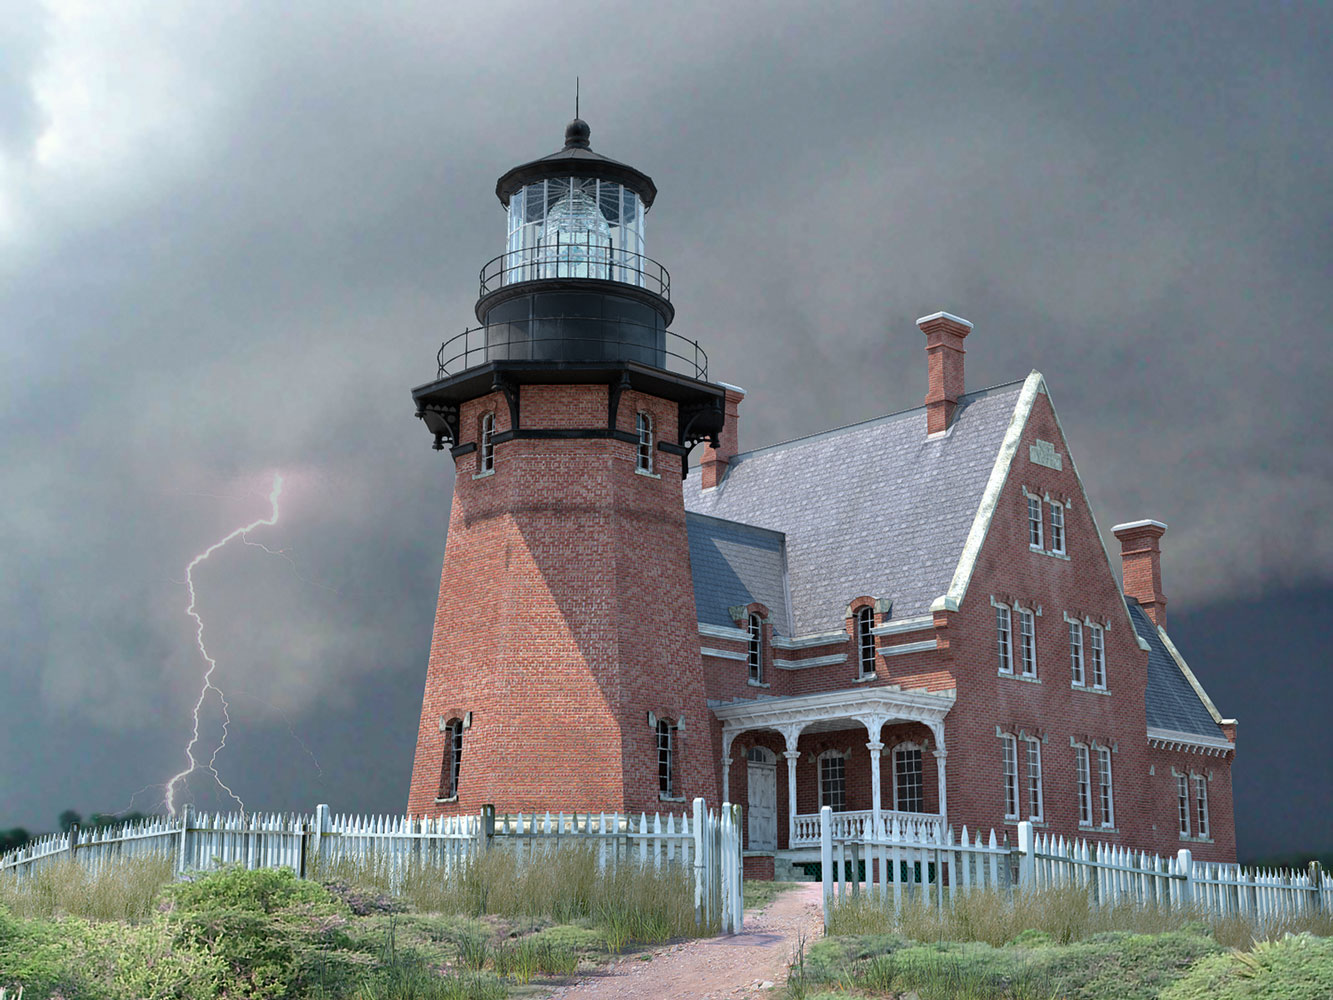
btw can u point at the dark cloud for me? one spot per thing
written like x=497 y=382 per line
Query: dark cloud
x=231 y=240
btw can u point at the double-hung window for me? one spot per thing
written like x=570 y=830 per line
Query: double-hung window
x=1034 y=777
x=486 y=458
x=1034 y=522
x=865 y=641
x=907 y=792
x=1057 y=527
x=1004 y=638
x=1027 y=623
x=1097 y=647
x=1076 y=652
x=1183 y=802
x=833 y=782
x=453 y=759
x=645 y=429
x=756 y=628
x=666 y=757
x=1108 y=799
x=1009 y=745
x=1201 y=802
x=1083 y=768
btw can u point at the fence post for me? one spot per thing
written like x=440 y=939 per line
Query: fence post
x=183 y=851
x=487 y=830
x=1317 y=885
x=1027 y=868
x=700 y=874
x=73 y=840
x=319 y=848
x=826 y=857
x=1185 y=865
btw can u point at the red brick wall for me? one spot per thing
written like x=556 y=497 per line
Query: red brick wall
x=565 y=616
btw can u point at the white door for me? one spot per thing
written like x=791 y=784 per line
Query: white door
x=762 y=783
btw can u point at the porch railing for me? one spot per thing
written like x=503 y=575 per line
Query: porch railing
x=858 y=825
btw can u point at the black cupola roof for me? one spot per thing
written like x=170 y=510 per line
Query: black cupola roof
x=576 y=159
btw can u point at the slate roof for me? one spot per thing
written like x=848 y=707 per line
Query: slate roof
x=1172 y=702
x=736 y=564
x=871 y=509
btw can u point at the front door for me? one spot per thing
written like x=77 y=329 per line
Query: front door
x=762 y=782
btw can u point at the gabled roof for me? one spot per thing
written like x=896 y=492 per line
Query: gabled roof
x=874 y=509
x=1172 y=700
x=735 y=565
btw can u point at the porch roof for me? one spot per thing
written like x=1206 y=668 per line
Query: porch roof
x=809 y=710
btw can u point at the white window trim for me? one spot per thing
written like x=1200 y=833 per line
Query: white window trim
x=1008 y=753
x=1007 y=656
x=1039 y=522
x=1078 y=667
x=643 y=455
x=1028 y=618
x=486 y=446
x=1083 y=783
x=1205 y=827
x=453 y=755
x=865 y=636
x=1106 y=787
x=671 y=728
x=1097 y=647
x=1034 y=779
x=897 y=750
x=754 y=656
x=1058 y=544
x=819 y=774
x=1183 y=805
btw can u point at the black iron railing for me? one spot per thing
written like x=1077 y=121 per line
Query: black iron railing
x=572 y=338
x=587 y=258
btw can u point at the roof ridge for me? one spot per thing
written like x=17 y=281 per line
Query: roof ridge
x=979 y=393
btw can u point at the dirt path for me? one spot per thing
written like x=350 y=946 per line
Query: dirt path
x=741 y=966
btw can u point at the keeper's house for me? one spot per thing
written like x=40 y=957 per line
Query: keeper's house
x=915 y=614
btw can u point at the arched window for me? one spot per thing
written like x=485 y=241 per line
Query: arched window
x=486 y=460
x=865 y=641
x=907 y=791
x=666 y=758
x=756 y=629
x=452 y=759
x=645 y=429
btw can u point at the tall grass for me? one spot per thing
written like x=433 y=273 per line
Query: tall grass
x=122 y=890
x=1066 y=914
x=561 y=884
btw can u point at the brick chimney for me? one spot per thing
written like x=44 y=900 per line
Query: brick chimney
x=1141 y=565
x=715 y=460
x=944 y=362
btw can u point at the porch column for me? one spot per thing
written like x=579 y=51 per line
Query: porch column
x=727 y=738
x=876 y=748
x=792 y=735
x=939 y=784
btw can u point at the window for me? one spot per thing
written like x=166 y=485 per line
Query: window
x=1098 y=648
x=1010 y=745
x=1082 y=766
x=645 y=429
x=833 y=782
x=1057 y=527
x=1201 y=800
x=1004 y=638
x=1027 y=623
x=1034 y=522
x=487 y=460
x=453 y=759
x=1183 y=798
x=907 y=790
x=865 y=640
x=756 y=625
x=1034 y=778
x=1108 y=804
x=666 y=757
x=1076 y=652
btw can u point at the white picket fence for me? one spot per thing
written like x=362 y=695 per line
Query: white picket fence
x=892 y=861
x=708 y=842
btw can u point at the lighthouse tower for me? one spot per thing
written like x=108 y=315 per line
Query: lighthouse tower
x=565 y=669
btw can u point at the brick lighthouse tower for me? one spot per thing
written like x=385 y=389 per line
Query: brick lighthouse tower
x=565 y=669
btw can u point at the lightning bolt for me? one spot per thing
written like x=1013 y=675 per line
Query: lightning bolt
x=208 y=685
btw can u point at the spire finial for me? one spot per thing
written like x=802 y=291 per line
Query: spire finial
x=576 y=97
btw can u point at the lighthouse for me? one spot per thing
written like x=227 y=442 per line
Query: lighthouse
x=565 y=670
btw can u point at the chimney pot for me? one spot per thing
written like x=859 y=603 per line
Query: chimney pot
x=944 y=365
x=1141 y=565
x=716 y=460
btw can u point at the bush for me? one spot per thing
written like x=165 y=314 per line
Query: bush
x=1299 y=967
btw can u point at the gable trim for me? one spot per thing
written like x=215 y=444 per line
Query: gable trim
x=990 y=499
x=1189 y=676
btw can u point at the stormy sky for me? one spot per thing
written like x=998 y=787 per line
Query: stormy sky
x=233 y=235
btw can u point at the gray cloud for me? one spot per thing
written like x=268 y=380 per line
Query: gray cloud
x=230 y=241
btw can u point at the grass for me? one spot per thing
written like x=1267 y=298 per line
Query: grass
x=757 y=894
x=123 y=890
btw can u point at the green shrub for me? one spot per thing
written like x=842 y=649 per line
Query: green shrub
x=1298 y=967
x=263 y=890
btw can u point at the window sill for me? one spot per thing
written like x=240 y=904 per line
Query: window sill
x=664 y=797
x=452 y=798
x=1196 y=840
x=864 y=678
x=483 y=475
x=1039 y=824
x=1018 y=677
x=645 y=472
x=1052 y=553
x=758 y=684
x=1036 y=548
x=1090 y=690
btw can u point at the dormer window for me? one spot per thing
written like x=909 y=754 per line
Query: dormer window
x=486 y=448
x=645 y=431
x=865 y=641
x=1057 y=527
x=756 y=629
x=1034 y=522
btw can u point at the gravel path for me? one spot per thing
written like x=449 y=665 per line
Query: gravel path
x=744 y=965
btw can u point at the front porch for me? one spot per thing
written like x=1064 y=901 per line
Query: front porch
x=832 y=743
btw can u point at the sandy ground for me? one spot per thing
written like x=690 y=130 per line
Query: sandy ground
x=744 y=965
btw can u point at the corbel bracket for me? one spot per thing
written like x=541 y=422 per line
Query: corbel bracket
x=441 y=421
